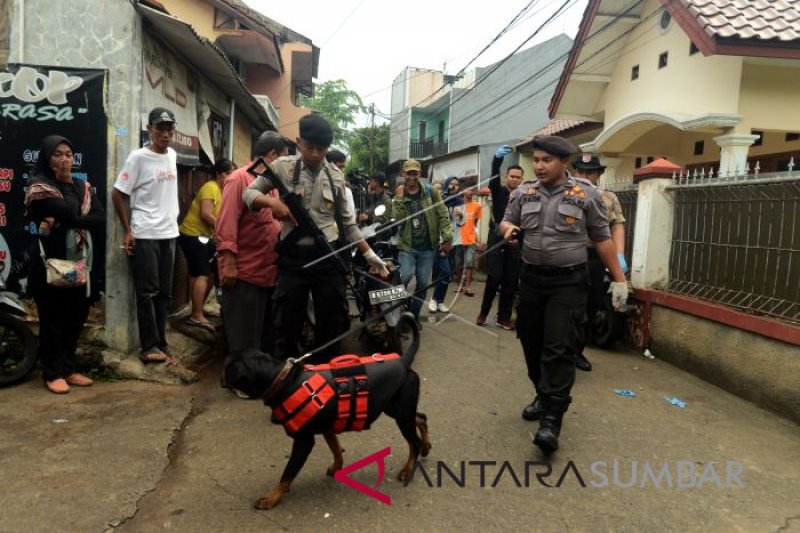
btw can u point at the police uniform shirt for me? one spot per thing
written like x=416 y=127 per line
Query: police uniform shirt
x=318 y=198
x=556 y=222
x=613 y=207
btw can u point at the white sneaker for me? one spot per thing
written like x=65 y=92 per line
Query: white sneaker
x=443 y=308
x=433 y=306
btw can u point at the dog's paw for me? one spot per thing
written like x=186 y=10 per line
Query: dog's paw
x=268 y=501
x=403 y=475
x=426 y=449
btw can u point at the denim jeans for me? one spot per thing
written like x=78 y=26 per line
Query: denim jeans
x=152 y=266
x=444 y=271
x=418 y=264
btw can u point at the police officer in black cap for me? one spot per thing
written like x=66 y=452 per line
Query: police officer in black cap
x=557 y=213
x=301 y=268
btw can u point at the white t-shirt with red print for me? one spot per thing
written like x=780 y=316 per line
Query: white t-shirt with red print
x=151 y=181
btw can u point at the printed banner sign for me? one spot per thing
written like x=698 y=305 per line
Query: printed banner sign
x=36 y=102
x=171 y=84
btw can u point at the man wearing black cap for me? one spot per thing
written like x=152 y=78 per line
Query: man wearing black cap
x=556 y=213
x=322 y=187
x=147 y=186
x=588 y=167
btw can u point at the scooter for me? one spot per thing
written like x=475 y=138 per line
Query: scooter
x=17 y=342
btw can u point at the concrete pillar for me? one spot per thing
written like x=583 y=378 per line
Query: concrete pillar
x=652 y=239
x=733 y=152
x=610 y=177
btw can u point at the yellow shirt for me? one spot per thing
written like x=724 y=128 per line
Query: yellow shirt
x=193 y=225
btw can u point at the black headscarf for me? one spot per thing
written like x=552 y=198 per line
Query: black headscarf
x=49 y=145
x=452 y=200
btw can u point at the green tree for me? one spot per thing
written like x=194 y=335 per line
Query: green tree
x=339 y=105
x=359 y=148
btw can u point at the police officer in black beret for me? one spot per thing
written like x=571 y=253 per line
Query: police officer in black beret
x=322 y=186
x=557 y=213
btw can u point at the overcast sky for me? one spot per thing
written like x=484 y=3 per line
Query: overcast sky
x=368 y=42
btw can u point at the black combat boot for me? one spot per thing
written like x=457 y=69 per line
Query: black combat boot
x=533 y=411
x=581 y=363
x=550 y=424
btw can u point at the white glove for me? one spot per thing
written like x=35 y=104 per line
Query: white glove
x=376 y=262
x=619 y=294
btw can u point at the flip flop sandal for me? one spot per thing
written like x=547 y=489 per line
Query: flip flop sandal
x=208 y=326
x=468 y=292
x=153 y=356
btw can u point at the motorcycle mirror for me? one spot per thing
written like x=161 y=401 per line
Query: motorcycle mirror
x=380 y=210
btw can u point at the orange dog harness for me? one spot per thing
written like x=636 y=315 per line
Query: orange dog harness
x=350 y=386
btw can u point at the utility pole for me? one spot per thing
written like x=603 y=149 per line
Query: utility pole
x=372 y=139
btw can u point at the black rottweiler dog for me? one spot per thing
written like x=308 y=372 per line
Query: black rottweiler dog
x=393 y=389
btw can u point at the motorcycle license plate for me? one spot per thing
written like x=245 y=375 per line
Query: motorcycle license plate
x=389 y=294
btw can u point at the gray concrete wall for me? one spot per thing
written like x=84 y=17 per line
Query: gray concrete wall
x=399 y=135
x=761 y=370
x=102 y=34
x=497 y=108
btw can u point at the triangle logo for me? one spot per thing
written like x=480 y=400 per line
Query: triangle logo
x=343 y=475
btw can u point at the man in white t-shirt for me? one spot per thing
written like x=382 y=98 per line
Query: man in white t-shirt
x=147 y=187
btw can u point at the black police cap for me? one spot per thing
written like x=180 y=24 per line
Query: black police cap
x=588 y=162
x=316 y=130
x=553 y=144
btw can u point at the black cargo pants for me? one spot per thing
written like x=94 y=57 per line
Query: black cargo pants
x=551 y=318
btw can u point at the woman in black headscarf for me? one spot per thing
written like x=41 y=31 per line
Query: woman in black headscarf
x=69 y=216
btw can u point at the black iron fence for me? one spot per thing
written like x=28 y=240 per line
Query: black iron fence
x=629 y=198
x=736 y=241
x=430 y=147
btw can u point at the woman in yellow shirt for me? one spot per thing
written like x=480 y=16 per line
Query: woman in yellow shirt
x=200 y=221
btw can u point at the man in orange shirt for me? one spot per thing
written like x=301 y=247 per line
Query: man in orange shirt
x=467 y=216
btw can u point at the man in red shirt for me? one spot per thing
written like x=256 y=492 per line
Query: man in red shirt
x=247 y=260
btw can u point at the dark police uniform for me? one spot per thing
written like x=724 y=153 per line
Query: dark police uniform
x=325 y=280
x=552 y=300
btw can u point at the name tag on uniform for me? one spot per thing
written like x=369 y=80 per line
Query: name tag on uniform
x=572 y=201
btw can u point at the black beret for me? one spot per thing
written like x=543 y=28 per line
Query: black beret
x=316 y=130
x=553 y=144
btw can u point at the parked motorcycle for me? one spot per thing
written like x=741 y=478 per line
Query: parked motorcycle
x=384 y=302
x=381 y=302
x=17 y=342
x=608 y=324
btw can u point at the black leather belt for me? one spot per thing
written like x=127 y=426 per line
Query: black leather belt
x=553 y=270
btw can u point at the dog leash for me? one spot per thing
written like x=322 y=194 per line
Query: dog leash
x=375 y=318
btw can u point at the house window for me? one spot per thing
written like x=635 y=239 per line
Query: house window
x=693 y=49
x=441 y=131
x=792 y=137
x=699 y=147
x=638 y=162
x=666 y=20
x=422 y=130
x=635 y=72
x=760 y=139
x=662 y=59
x=650 y=159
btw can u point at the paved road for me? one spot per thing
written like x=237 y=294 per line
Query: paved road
x=138 y=456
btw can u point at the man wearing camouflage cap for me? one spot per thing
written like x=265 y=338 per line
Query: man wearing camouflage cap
x=557 y=213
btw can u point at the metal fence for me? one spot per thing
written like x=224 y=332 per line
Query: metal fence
x=736 y=241
x=629 y=199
